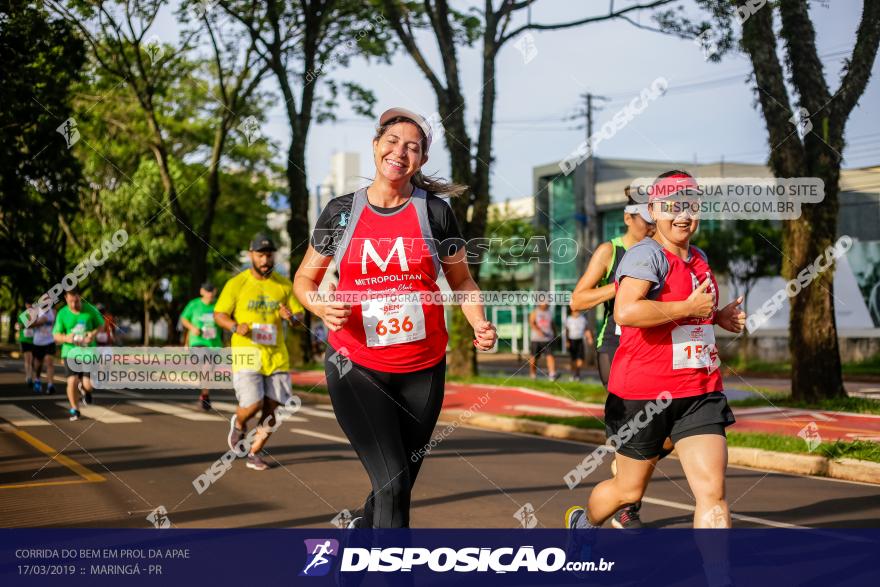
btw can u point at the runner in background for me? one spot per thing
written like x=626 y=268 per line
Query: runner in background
x=77 y=325
x=26 y=344
x=44 y=350
x=595 y=287
x=576 y=330
x=666 y=376
x=106 y=335
x=198 y=319
x=542 y=335
x=319 y=339
x=252 y=306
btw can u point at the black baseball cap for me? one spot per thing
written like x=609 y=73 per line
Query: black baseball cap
x=262 y=242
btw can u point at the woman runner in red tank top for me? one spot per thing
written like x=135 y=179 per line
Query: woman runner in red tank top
x=386 y=358
x=665 y=379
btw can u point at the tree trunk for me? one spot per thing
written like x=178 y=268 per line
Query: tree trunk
x=148 y=325
x=198 y=267
x=462 y=356
x=199 y=258
x=298 y=229
x=813 y=342
x=298 y=232
x=10 y=333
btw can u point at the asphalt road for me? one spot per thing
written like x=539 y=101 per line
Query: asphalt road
x=142 y=451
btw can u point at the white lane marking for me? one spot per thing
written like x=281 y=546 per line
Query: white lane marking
x=319 y=413
x=20 y=417
x=101 y=414
x=690 y=508
x=224 y=406
x=320 y=435
x=178 y=411
x=231 y=408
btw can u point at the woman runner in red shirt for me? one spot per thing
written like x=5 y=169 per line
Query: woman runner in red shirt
x=665 y=380
x=386 y=359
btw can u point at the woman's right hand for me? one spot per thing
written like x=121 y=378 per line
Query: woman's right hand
x=334 y=313
x=700 y=303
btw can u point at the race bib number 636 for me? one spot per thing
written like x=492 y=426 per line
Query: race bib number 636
x=392 y=320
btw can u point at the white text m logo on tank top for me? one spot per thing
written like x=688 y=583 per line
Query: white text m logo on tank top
x=397 y=249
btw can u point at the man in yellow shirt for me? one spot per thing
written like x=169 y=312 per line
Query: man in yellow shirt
x=252 y=306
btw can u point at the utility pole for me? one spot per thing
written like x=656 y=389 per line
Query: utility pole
x=588 y=236
x=590 y=210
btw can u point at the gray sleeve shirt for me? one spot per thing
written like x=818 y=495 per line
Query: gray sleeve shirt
x=645 y=260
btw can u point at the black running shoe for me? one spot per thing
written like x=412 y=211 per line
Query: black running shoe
x=87 y=398
x=206 y=402
x=628 y=518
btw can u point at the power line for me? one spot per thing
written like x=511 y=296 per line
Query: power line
x=696 y=84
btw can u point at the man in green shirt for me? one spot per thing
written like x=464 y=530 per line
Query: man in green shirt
x=26 y=343
x=198 y=318
x=76 y=325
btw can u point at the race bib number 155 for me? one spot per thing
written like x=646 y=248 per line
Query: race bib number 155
x=693 y=347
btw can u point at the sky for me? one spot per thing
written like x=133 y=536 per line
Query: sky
x=708 y=112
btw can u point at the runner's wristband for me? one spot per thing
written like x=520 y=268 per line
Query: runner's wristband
x=234 y=327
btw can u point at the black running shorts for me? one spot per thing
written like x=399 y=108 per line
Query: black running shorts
x=40 y=351
x=539 y=347
x=641 y=429
x=576 y=349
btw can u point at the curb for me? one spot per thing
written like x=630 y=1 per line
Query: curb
x=500 y=423
x=781 y=462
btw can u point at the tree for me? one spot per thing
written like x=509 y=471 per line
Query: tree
x=509 y=235
x=301 y=42
x=40 y=175
x=150 y=275
x=797 y=97
x=119 y=37
x=470 y=159
x=233 y=79
x=745 y=251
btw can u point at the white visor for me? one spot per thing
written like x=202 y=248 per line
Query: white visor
x=641 y=210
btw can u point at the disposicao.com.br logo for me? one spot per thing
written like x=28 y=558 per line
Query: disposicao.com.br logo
x=320 y=555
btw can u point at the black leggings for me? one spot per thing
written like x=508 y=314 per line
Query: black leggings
x=605 y=358
x=389 y=419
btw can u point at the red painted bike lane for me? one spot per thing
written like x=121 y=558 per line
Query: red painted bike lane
x=519 y=401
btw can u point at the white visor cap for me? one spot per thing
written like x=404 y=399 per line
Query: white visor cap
x=641 y=210
x=420 y=121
